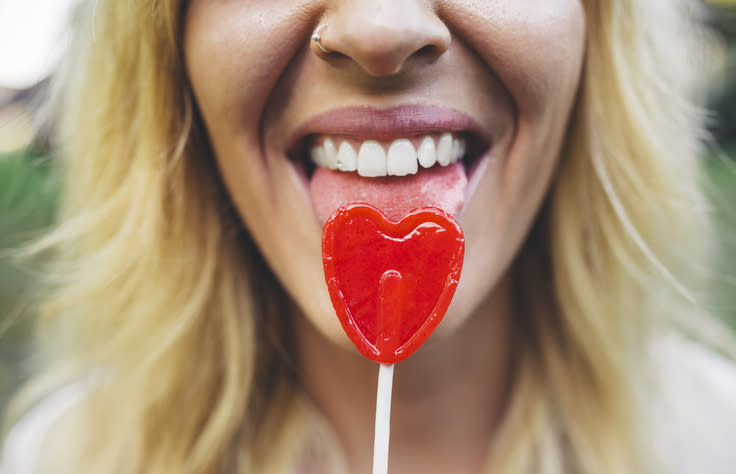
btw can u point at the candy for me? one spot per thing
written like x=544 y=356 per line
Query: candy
x=391 y=282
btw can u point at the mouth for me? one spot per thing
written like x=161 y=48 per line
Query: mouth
x=404 y=156
x=396 y=159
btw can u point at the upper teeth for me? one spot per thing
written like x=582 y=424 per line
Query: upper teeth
x=401 y=159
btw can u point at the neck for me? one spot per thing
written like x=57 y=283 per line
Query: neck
x=448 y=397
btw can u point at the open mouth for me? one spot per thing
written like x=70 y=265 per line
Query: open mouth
x=397 y=169
x=398 y=157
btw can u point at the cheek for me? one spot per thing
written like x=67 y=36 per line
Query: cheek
x=535 y=47
x=234 y=53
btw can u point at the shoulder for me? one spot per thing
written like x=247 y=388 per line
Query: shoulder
x=691 y=411
x=23 y=444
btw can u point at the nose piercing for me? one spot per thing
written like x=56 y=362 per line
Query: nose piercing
x=318 y=39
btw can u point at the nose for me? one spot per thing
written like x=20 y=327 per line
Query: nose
x=382 y=36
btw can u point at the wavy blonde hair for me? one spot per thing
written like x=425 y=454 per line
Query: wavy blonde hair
x=155 y=280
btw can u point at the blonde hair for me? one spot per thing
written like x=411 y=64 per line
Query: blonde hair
x=158 y=290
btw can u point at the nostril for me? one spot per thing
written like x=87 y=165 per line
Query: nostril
x=427 y=51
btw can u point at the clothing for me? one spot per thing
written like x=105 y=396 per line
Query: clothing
x=693 y=418
x=24 y=443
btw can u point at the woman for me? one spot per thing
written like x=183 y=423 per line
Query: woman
x=188 y=314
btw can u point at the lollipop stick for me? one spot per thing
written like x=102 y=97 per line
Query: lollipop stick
x=383 y=418
x=391 y=291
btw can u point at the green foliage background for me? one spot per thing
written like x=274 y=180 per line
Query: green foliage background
x=28 y=191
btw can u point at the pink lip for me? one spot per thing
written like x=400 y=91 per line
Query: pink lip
x=369 y=123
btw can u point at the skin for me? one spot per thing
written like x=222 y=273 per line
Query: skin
x=514 y=67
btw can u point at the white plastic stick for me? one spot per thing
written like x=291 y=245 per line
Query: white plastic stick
x=383 y=418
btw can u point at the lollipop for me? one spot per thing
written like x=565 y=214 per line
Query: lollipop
x=390 y=284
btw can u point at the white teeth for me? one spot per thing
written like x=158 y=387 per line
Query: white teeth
x=462 y=147
x=444 y=149
x=427 y=153
x=347 y=159
x=330 y=154
x=402 y=158
x=371 y=159
x=455 y=151
x=318 y=156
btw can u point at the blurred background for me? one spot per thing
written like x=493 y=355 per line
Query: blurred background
x=33 y=37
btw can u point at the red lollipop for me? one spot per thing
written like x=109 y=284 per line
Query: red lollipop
x=391 y=282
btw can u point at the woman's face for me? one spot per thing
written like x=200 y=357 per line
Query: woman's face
x=406 y=81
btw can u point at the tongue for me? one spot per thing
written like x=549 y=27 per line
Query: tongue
x=442 y=187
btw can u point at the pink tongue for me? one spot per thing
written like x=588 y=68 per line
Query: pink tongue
x=442 y=187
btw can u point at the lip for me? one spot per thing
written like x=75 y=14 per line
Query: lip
x=385 y=124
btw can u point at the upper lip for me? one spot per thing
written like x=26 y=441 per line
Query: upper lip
x=385 y=124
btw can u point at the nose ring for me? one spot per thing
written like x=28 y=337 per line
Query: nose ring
x=318 y=39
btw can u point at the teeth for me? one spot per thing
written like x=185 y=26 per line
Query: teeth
x=444 y=149
x=330 y=154
x=318 y=156
x=371 y=159
x=402 y=158
x=347 y=159
x=457 y=151
x=427 y=153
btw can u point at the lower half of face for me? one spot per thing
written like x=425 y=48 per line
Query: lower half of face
x=462 y=105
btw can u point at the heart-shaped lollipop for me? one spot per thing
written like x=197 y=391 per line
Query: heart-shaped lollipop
x=391 y=282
